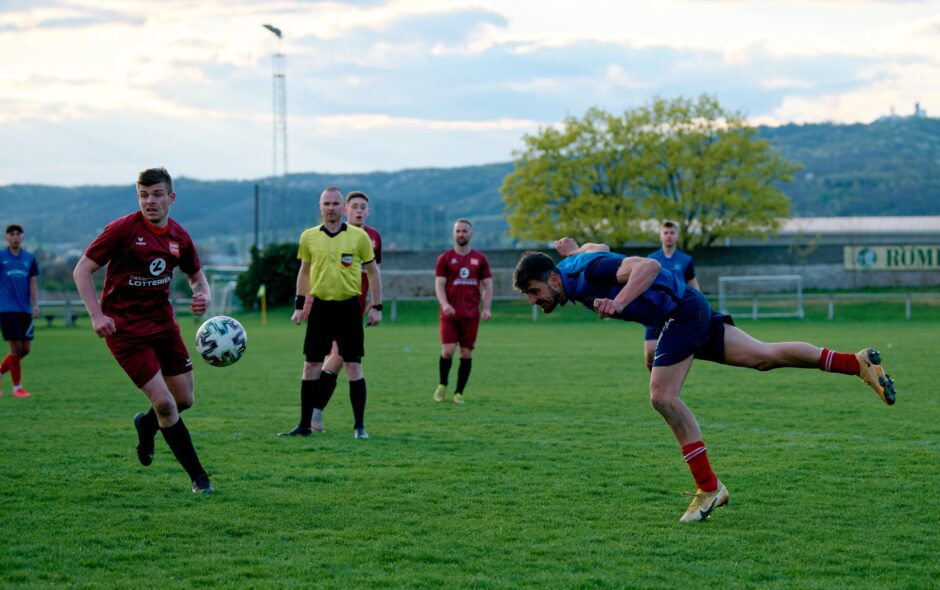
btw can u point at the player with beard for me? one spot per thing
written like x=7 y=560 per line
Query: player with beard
x=640 y=290
x=460 y=275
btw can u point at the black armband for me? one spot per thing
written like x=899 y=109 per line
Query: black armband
x=377 y=306
x=299 y=301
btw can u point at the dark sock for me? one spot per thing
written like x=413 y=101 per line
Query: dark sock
x=357 y=397
x=309 y=390
x=463 y=374
x=443 y=367
x=327 y=387
x=178 y=439
x=149 y=422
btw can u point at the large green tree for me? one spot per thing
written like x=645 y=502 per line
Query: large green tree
x=601 y=178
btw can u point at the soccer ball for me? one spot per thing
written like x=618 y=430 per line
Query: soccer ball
x=221 y=341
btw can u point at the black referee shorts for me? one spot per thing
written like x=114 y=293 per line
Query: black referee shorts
x=335 y=320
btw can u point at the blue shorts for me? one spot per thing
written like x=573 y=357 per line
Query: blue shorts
x=16 y=325
x=692 y=329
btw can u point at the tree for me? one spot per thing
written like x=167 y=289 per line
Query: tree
x=276 y=269
x=600 y=178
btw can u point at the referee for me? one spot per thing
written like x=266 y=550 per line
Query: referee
x=332 y=256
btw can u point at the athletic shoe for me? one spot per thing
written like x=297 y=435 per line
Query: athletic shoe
x=360 y=433
x=299 y=431
x=21 y=393
x=144 y=441
x=439 y=393
x=870 y=371
x=316 y=421
x=704 y=502
x=458 y=398
x=201 y=485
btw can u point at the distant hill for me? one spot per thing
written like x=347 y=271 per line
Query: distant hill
x=889 y=167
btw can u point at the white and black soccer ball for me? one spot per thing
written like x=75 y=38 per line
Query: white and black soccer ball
x=221 y=341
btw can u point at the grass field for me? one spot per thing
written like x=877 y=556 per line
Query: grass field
x=557 y=473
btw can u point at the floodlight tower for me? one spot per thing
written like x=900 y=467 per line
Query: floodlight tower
x=277 y=201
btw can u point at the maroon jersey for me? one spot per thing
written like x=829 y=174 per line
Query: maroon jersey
x=376 y=239
x=464 y=274
x=141 y=259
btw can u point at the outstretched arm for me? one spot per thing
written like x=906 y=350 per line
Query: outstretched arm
x=568 y=247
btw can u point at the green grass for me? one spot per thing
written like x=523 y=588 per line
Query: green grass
x=556 y=473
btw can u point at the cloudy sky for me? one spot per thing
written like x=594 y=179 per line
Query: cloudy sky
x=93 y=91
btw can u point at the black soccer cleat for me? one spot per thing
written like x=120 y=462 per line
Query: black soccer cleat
x=299 y=431
x=144 y=441
x=202 y=485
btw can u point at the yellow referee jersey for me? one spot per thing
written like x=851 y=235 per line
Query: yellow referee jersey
x=335 y=260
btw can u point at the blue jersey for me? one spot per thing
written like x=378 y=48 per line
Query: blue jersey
x=15 y=272
x=679 y=263
x=593 y=275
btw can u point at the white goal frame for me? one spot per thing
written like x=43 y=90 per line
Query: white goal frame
x=724 y=297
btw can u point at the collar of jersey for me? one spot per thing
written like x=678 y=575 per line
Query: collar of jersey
x=341 y=229
x=157 y=230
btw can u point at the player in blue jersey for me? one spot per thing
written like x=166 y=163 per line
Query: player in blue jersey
x=670 y=258
x=19 y=304
x=639 y=290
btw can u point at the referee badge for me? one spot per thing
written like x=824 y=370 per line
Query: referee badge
x=346 y=259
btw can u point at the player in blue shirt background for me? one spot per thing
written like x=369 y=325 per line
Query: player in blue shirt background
x=19 y=304
x=639 y=290
x=670 y=258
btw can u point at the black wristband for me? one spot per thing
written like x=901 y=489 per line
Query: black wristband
x=377 y=306
x=299 y=301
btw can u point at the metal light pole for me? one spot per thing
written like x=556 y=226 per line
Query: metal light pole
x=277 y=200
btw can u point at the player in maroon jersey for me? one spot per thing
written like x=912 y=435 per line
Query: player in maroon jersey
x=136 y=319
x=459 y=276
x=357 y=211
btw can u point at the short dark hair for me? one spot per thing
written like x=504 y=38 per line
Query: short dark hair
x=152 y=176
x=668 y=223
x=464 y=220
x=14 y=228
x=357 y=195
x=533 y=266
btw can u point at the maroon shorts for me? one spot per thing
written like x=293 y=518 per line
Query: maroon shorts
x=143 y=357
x=460 y=330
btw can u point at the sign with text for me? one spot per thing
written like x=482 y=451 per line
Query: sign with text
x=892 y=257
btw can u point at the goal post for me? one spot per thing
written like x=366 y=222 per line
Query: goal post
x=761 y=296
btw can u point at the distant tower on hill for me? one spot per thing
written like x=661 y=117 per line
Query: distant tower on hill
x=919 y=113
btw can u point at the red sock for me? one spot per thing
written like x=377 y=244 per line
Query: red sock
x=5 y=365
x=838 y=362
x=15 y=370
x=695 y=455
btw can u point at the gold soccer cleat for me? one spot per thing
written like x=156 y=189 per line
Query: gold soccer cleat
x=439 y=393
x=458 y=399
x=871 y=372
x=704 y=502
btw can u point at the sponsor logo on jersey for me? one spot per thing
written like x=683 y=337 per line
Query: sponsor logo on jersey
x=464 y=272
x=346 y=259
x=174 y=249
x=157 y=266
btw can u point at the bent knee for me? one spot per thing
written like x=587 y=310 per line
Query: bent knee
x=662 y=401
x=166 y=407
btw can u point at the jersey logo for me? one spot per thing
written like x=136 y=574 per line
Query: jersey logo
x=453 y=261
x=140 y=241
x=174 y=249
x=464 y=272
x=157 y=266
x=474 y=262
x=346 y=259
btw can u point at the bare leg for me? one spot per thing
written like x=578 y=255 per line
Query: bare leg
x=665 y=388
x=743 y=350
x=333 y=362
x=649 y=350
x=163 y=402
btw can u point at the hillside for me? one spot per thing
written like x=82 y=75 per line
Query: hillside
x=890 y=167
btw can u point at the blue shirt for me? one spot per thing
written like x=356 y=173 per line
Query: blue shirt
x=15 y=272
x=593 y=275
x=679 y=263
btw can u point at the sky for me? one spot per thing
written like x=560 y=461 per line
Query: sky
x=91 y=92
